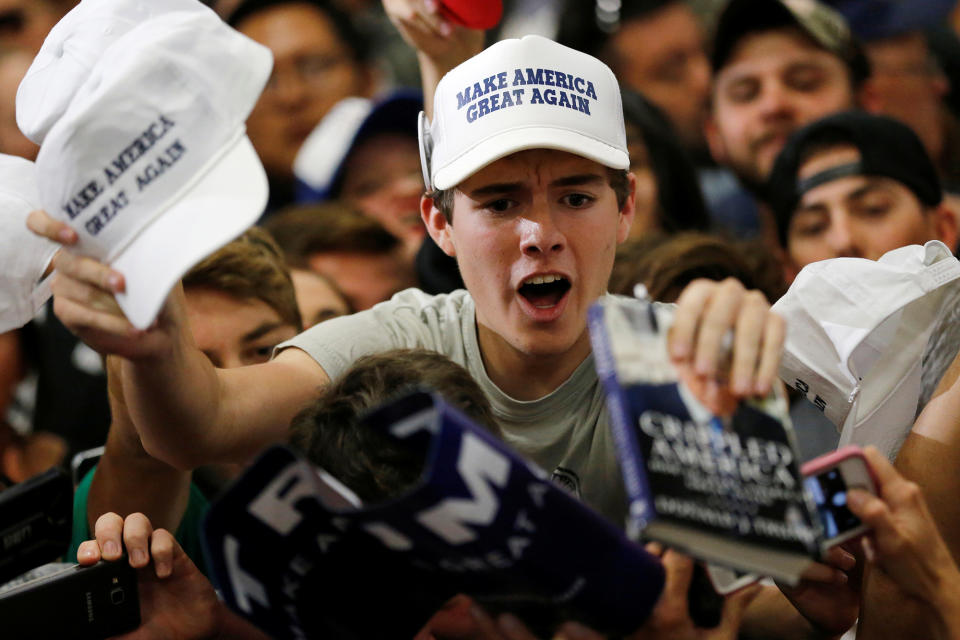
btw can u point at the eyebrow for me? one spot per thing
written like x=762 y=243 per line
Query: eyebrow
x=261 y=331
x=507 y=187
x=871 y=185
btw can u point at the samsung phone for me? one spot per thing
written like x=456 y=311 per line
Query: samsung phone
x=81 y=603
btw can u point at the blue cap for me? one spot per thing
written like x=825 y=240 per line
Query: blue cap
x=320 y=163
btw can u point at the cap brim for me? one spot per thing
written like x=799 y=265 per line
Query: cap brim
x=512 y=141
x=219 y=207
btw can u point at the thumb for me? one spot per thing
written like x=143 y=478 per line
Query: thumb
x=733 y=610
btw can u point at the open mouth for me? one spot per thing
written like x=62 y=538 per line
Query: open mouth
x=544 y=292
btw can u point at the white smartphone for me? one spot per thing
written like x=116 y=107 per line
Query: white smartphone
x=828 y=478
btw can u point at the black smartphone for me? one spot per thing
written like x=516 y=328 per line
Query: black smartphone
x=81 y=603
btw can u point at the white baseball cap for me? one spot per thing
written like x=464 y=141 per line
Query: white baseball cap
x=856 y=332
x=72 y=48
x=530 y=93
x=150 y=163
x=24 y=257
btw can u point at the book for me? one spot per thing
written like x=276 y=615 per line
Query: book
x=721 y=485
x=295 y=552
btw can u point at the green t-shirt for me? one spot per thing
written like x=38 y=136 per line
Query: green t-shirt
x=187 y=534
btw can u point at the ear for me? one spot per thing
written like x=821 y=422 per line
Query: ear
x=711 y=132
x=437 y=226
x=945 y=221
x=629 y=210
x=790 y=268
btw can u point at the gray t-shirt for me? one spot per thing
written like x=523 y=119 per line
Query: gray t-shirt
x=565 y=432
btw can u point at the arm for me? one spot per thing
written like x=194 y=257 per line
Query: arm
x=186 y=411
x=929 y=457
x=189 y=413
x=440 y=45
x=162 y=491
x=906 y=548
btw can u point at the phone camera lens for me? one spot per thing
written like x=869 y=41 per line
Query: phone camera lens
x=117 y=595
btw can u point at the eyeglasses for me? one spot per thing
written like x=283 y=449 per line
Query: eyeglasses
x=313 y=70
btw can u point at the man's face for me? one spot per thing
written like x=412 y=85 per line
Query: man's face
x=663 y=55
x=317 y=298
x=312 y=70
x=382 y=179
x=234 y=332
x=13 y=66
x=855 y=216
x=773 y=83
x=365 y=279
x=907 y=85
x=534 y=235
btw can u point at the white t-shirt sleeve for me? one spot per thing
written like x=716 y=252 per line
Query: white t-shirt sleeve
x=410 y=319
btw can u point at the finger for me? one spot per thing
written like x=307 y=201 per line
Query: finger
x=870 y=509
x=89 y=270
x=734 y=607
x=486 y=627
x=768 y=371
x=511 y=628
x=78 y=317
x=883 y=471
x=88 y=553
x=576 y=631
x=748 y=336
x=679 y=574
x=818 y=572
x=690 y=306
x=654 y=548
x=162 y=550
x=42 y=224
x=136 y=536
x=107 y=530
x=85 y=294
x=840 y=558
x=718 y=320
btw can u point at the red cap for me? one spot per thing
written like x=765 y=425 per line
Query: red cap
x=475 y=14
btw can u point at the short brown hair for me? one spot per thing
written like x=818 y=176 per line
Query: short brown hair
x=618 y=178
x=368 y=461
x=324 y=228
x=666 y=264
x=250 y=267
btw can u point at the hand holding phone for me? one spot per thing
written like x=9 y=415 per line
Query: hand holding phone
x=828 y=478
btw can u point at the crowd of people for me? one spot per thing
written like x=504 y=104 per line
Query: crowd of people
x=708 y=151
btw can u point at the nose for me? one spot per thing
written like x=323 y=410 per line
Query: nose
x=539 y=233
x=287 y=87
x=840 y=239
x=775 y=101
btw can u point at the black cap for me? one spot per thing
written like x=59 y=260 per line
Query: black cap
x=822 y=24
x=887 y=148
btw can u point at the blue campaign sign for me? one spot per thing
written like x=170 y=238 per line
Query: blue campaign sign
x=294 y=552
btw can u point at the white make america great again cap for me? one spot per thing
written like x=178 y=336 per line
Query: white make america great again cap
x=150 y=162
x=530 y=93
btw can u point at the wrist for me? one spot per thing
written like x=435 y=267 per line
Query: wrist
x=945 y=604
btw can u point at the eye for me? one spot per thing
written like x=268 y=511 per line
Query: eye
x=743 y=90
x=500 y=205
x=805 y=79
x=577 y=200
